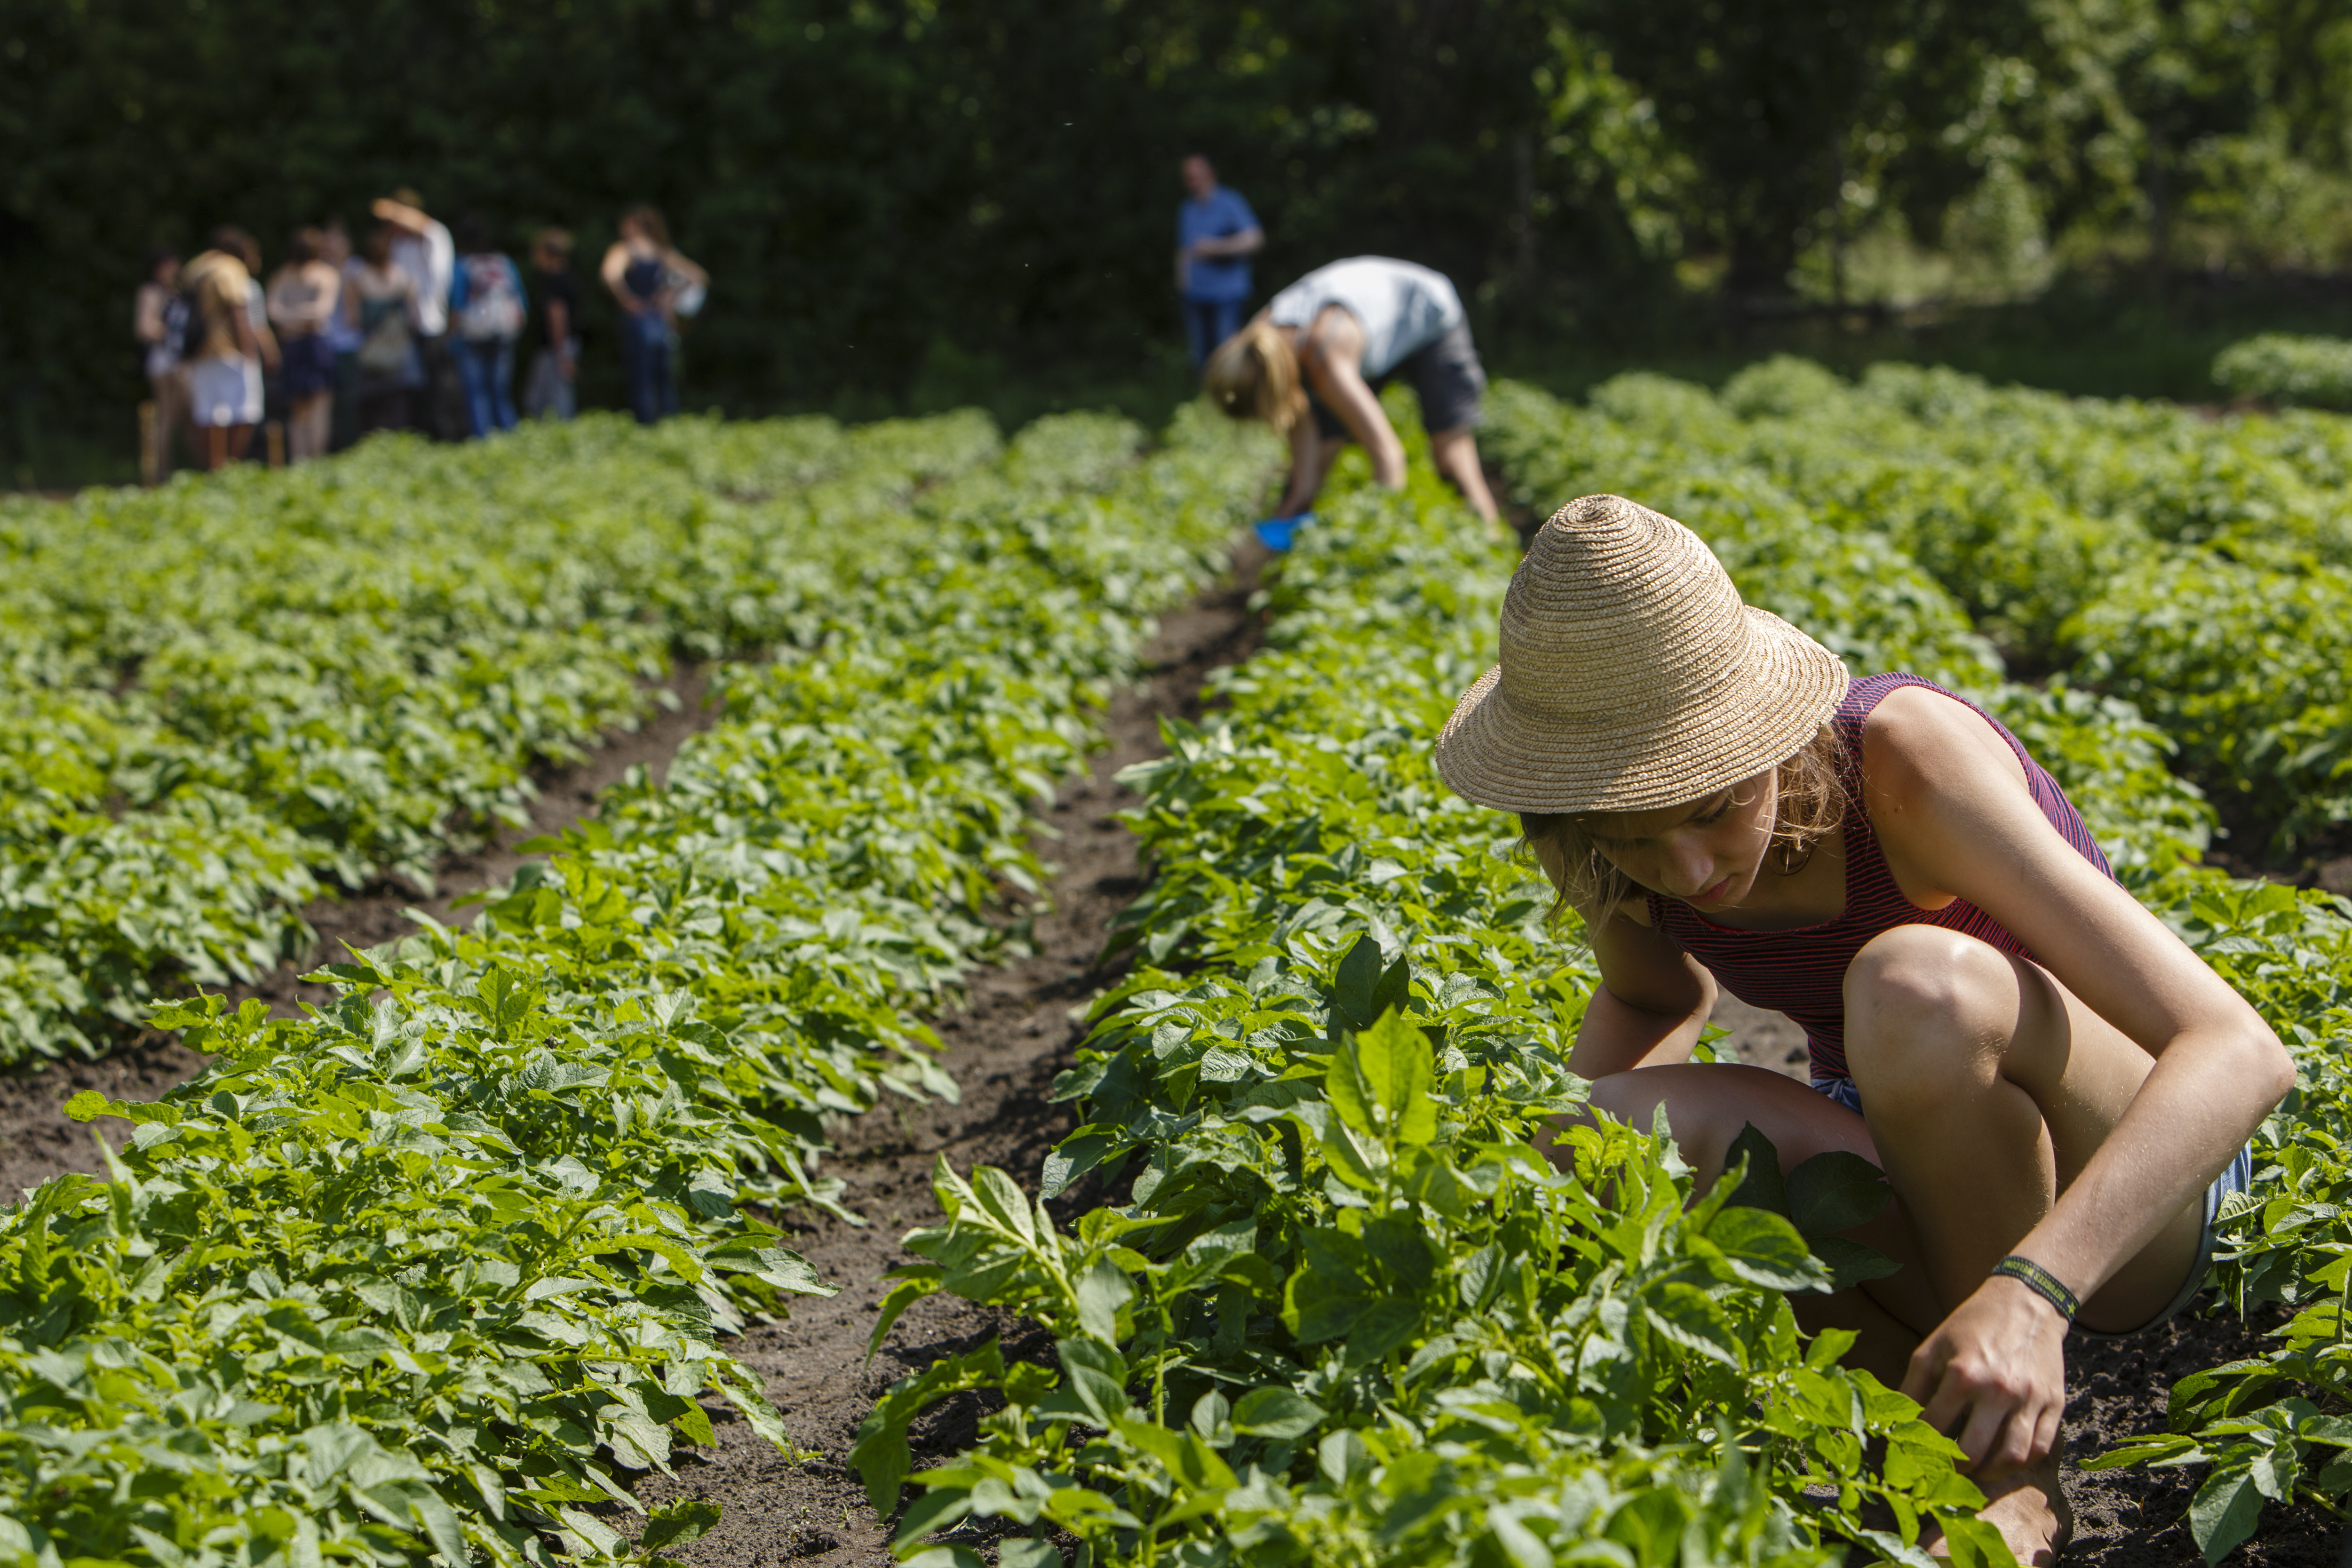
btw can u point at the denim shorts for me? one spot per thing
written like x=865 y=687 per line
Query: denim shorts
x=2237 y=1178
x=1444 y=374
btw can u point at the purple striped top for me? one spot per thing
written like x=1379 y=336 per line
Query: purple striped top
x=1802 y=972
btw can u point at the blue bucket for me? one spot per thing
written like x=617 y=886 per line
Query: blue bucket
x=1275 y=533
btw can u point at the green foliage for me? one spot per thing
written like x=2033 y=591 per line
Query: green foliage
x=420 y=1274
x=226 y=696
x=2284 y=369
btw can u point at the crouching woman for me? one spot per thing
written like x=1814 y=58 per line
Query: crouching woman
x=2058 y=1092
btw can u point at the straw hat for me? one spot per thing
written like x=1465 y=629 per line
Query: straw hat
x=1632 y=676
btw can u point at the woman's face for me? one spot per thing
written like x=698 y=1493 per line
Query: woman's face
x=1707 y=854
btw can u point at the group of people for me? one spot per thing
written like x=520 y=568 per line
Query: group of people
x=420 y=328
x=2059 y=1092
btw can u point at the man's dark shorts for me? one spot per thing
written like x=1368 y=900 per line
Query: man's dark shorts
x=1445 y=374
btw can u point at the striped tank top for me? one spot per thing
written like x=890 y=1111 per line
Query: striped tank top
x=1802 y=972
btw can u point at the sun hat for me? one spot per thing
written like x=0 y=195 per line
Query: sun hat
x=1632 y=676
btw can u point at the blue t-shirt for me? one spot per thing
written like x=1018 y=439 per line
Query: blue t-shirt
x=1223 y=215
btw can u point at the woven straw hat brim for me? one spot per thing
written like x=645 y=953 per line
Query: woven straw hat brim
x=1759 y=716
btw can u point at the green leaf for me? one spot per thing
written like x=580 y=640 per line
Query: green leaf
x=1764 y=1249
x=439 y=1522
x=1357 y=982
x=1975 y=1543
x=1276 y=1412
x=1688 y=1316
x=1379 y=1083
x=1761 y=1186
x=677 y=1523
x=1836 y=1191
x=1850 y=1262
x=1102 y=1289
x=2224 y=1510
x=1001 y=1199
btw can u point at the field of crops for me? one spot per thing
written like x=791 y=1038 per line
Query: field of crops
x=432 y=1272
x=416 y=1273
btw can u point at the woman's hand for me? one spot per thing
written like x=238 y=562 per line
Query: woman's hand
x=1993 y=1375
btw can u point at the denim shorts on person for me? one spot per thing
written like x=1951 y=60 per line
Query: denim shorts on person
x=2237 y=1178
x=1444 y=374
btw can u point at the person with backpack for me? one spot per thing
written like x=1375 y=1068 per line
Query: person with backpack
x=487 y=310
x=227 y=342
x=159 y=319
x=377 y=295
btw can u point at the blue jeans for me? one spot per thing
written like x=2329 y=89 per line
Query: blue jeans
x=1207 y=324
x=487 y=366
x=653 y=379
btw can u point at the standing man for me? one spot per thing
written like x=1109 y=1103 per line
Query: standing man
x=1216 y=233
x=421 y=247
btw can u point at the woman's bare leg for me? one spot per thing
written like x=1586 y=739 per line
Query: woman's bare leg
x=1988 y=1087
x=1455 y=454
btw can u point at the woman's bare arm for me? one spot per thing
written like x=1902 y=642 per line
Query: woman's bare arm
x=616 y=264
x=1952 y=810
x=1331 y=353
x=1651 y=1006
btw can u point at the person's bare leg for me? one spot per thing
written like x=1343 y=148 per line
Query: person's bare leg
x=240 y=442
x=216 y=447
x=1988 y=1087
x=1455 y=454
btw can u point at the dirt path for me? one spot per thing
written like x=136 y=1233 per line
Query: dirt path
x=38 y=1140
x=1003 y=1050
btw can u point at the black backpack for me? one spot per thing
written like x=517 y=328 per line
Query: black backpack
x=183 y=325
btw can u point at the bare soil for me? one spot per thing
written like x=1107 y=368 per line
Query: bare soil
x=1004 y=1046
x=38 y=1141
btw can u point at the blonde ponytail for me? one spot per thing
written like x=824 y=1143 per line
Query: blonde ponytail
x=1254 y=374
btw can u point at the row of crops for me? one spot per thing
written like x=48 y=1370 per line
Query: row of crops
x=225 y=698
x=417 y=1275
x=1338 y=1309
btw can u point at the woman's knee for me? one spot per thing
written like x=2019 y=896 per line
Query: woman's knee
x=1917 y=999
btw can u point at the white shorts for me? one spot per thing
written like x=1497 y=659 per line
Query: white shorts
x=225 y=389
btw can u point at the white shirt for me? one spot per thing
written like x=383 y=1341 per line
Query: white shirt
x=433 y=261
x=1402 y=308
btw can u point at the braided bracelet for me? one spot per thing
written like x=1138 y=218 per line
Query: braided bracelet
x=2041 y=1282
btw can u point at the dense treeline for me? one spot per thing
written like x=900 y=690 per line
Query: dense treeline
x=895 y=193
